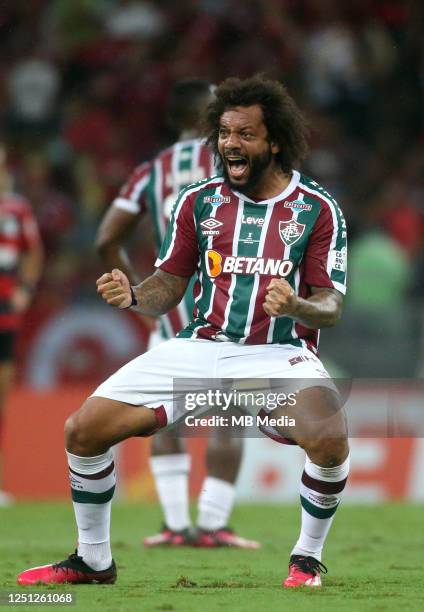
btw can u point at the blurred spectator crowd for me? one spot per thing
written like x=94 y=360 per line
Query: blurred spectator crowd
x=83 y=93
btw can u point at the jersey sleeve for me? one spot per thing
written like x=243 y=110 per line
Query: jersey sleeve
x=179 y=253
x=132 y=196
x=325 y=260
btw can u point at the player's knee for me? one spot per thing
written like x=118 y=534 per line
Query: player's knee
x=327 y=452
x=77 y=437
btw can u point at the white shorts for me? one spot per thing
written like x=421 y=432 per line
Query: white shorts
x=154 y=378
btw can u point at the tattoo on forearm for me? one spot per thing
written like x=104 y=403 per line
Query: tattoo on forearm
x=322 y=309
x=160 y=293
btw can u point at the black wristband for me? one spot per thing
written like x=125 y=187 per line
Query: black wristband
x=133 y=300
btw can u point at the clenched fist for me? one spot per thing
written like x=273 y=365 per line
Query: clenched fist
x=114 y=287
x=280 y=299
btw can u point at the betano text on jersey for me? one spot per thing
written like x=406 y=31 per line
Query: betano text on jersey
x=236 y=245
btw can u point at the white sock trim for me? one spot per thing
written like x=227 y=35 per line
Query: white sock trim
x=332 y=474
x=90 y=465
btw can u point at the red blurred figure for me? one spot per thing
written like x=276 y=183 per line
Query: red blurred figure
x=21 y=258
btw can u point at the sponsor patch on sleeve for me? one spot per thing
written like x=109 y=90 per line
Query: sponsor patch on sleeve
x=338 y=259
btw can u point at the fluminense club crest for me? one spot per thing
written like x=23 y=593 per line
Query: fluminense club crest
x=291 y=231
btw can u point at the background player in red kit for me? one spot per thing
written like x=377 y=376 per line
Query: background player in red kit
x=20 y=269
x=153 y=188
x=263 y=291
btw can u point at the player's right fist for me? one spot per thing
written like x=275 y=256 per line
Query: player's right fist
x=114 y=287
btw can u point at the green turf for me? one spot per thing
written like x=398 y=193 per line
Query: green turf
x=374 y=554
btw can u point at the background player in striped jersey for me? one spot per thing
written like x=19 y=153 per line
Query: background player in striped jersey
x=263 y=291
x=153 y=188
x=20 y=269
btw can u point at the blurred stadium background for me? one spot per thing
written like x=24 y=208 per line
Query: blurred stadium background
x=83 y=94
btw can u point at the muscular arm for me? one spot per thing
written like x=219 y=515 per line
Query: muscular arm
x=113 y=232
x=155 y=295
x=322 y=309
x=160 y=293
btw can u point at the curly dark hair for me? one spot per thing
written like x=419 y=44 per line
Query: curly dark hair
x=284 y=121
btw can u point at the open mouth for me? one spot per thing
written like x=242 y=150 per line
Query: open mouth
x=237 y=166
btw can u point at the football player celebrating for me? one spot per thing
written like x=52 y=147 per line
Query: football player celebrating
x=263 y=292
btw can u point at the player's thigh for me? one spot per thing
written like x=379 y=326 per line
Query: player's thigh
x=163 y=377
x=316 y=412
x=102 y=422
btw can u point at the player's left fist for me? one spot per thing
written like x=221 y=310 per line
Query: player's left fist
x=280 y=299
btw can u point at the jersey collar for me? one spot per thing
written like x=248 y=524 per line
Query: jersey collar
x=286 y=192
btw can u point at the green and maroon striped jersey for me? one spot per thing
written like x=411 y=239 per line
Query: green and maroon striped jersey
x=236 y=245
x=154 y=186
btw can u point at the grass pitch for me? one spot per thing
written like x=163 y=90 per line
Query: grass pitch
x=375 y=557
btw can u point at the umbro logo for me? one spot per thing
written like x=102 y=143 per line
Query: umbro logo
x=210 y=226
x=210 y=223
